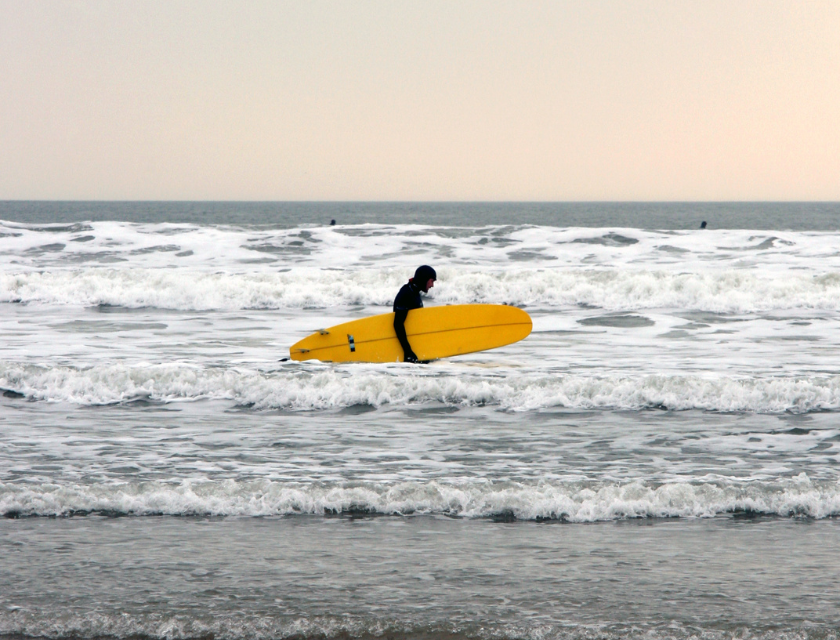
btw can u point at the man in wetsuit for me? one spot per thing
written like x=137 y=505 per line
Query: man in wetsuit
x=407 y=299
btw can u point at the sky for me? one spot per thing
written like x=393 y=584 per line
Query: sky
x=420 y=101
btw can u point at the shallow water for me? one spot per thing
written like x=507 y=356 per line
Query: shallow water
x=419 y=577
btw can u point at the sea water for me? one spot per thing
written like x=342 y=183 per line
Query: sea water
x=658 y=459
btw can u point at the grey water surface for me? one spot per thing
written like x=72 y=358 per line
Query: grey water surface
x=658 y=459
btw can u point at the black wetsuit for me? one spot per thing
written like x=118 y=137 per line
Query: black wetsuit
x=407 y=299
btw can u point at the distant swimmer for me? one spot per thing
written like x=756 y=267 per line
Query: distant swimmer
x=409 y=298
x=332 y=223
x=703 y=224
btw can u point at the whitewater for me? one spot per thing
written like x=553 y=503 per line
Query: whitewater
x=658 y=459
x=730 y=320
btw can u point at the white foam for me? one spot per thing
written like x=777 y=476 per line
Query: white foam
x=614 y=290
x=30 y=247
x=55 y=623
x=96 y=624
x=303 y=388
x=191 y=267
x=574 y=502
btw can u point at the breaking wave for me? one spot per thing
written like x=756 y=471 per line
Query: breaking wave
x=566 y=501
x=316 y=387
x=612 y=289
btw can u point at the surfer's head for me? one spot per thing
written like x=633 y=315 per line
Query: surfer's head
x=424 y=278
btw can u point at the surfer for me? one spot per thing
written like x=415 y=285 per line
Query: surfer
x=409 y=298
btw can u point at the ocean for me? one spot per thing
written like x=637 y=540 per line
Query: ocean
x=658 y=460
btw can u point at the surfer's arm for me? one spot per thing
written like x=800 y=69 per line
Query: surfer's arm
x=399 y=327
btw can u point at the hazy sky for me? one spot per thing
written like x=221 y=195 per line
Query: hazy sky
x=426 y=100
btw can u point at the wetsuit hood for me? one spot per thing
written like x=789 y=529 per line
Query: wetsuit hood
x=422 y=276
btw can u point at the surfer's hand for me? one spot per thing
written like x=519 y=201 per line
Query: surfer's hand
x=410 y=356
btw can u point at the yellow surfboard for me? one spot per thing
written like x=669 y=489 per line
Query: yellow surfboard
x=434 y=332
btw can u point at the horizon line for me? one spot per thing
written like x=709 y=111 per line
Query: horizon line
x=81 y=201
